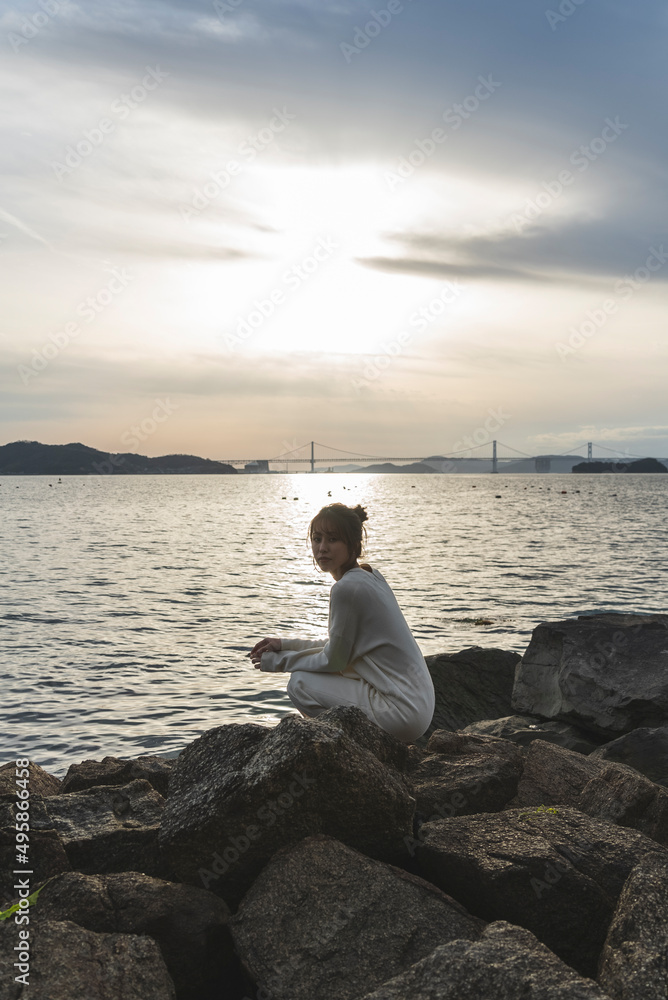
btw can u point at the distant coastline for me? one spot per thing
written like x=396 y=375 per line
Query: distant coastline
x=641 y=465
x=31 y=458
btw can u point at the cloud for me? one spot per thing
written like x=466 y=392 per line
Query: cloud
x=592 y=432
x=22 y=227
x=573 y=251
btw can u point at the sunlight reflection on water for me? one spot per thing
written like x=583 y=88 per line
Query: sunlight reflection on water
x=129 y=603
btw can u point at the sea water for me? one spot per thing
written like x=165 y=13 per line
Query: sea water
x=129 y=603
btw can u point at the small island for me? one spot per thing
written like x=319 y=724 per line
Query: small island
x=640 y=465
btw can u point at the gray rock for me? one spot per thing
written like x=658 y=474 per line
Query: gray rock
x=462 y=773
x=606 y=673
x=110 y=828
x=557 y=873
x=303 y=777
x=471 y=685
x=553 y=776
x=40 y=782
x=644 y=749
x=524 y=729
x=114 y=771
x=45 y=848
x=189 y=924
x=621 y=795
x=225 y=749
x=67 y=962
x=634 y=961
x=506 y=963
x=355 y=724
x=325 y=921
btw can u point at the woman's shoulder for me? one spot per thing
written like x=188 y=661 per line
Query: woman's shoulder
x=354 y=579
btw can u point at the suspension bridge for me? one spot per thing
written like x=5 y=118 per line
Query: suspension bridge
x=491 y=452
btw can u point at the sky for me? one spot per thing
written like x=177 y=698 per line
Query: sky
x=401 y=228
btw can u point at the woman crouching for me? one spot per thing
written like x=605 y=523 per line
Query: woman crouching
x=370 y=658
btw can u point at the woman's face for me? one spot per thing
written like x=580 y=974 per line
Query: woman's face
x=330 y=551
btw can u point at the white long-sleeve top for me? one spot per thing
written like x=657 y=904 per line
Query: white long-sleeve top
x=368 y=637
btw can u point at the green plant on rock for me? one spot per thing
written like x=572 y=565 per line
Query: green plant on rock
x=31 y=899
x=538 y=811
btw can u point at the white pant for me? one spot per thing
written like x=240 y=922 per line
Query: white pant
x=313 y=692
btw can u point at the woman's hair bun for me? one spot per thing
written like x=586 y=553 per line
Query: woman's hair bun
x=361 y=513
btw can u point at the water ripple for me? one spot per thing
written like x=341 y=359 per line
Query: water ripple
x=130 y=603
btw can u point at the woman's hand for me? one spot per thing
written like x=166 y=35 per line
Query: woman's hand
x=263 y=646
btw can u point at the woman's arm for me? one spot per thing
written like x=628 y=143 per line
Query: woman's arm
x=335 y=654
x=290 y=643
x=333 y=658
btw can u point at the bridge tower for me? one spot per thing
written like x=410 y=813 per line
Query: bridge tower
x=312 y=459
x=589 y=451
x=495 y=467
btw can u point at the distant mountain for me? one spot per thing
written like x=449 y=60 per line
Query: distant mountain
x=30 y=458
x=640 y=465
x=391 y=467
x=540 y=463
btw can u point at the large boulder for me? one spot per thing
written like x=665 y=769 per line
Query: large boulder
x=46 y=850
x=558 y=873
x=190 y=925
x=621 y=795
x=237 y=796
x=462 y=773
x=524 y=729
x=66 y=962
x=355 y=724
x=553 y=776
x=644 y=749
x=37 y=782
x=471 y=685
x=109 y=828
x=634 y=961
x=224 y=750
x=115 y=771
x=606 y=673
x=506 y=963
x=325 y=921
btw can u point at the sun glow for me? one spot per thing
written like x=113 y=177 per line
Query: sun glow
x=317 y=294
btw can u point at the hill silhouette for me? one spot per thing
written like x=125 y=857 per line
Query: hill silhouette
x=31 y=458
x=640 y=465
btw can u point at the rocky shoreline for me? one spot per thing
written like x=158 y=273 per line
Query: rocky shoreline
x=521 y=850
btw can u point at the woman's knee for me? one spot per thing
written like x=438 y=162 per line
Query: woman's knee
x=297 y=690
